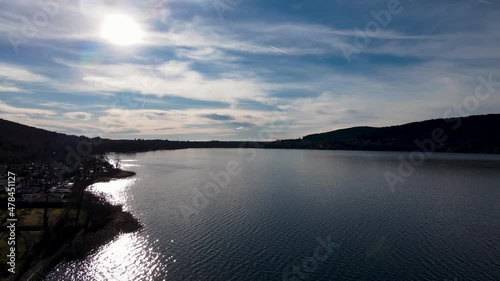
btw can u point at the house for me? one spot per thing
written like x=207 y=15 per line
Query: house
x=41 y=197
x=30 y=197
x=29 y=189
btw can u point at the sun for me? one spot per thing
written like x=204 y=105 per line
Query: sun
x=121 y=30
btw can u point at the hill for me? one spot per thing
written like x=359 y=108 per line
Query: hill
x=474 y=134
x=20 y=143
x=477 y=134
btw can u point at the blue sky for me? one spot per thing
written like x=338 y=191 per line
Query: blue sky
x=233 y=69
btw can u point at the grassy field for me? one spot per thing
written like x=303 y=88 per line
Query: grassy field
x=34 y=217
x=26 y=240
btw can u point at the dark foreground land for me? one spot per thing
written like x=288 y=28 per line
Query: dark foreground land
x=48 y=235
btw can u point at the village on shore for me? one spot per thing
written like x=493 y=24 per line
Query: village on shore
x=36 y=181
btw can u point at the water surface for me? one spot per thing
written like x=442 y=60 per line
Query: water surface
x=442 y=223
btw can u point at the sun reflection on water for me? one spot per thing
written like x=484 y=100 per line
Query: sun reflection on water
x=128 y=257
x=131 y=256
x=116 y=191
x=129 y=165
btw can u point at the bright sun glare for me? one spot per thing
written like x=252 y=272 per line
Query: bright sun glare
x=121 y=30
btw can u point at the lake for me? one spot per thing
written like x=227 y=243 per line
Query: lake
x=229 y=214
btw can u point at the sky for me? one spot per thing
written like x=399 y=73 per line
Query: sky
x=244 y=69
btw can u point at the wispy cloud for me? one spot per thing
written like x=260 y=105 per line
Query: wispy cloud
x=22 y=111
x=10 y=89
x=17 y=73
x=217 y=117
x=78 y=116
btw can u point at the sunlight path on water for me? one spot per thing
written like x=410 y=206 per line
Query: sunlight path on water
x=118 y=261
x=116 y=191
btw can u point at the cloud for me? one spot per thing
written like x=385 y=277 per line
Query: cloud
x=16 y=73
x=171 y=78
x=181 y=122
x=78 y=116
x=206 y=54
x=10 y=89
x=60 y=105
x=242 y=124
x=201 y=38
x=23 y=111
x=217 y=117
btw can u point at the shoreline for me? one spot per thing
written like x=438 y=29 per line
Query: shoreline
x=85 y=242
x=119 y=222
x=120 y=174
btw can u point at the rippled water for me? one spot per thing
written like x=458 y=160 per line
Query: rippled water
x=301 y=215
